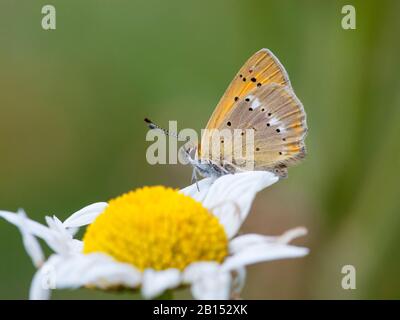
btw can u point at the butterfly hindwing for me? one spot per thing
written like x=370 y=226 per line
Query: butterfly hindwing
x=279 y=122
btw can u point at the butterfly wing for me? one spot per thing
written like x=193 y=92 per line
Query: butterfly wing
x=279 y=122
x=261 y=69
x=260 y=98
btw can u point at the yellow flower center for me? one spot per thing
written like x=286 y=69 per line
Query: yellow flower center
x=159 y=228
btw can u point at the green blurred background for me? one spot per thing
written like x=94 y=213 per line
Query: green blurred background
x=72 y=103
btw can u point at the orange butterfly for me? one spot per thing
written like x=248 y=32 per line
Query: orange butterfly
x=260 y=98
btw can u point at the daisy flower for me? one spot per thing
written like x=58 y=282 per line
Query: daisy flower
x=156 y=239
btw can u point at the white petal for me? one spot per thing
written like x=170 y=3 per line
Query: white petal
x=36 y=291
x=56 y=236
x=292 y=234
x=200 y=193
x=213 y=287
x=251 y=239
x=106 y=271
x=95 y=269
x=74 y=271
x=156 y=282
x=230 y=197
x=56 y=225
x=263 y=252
x=44 y=279
x=31 y=244
x=238 y=282
x=76 y=246
x=196 y=270
x=208 y=281
x=244 y=241
x=34 y=227
x=85 y=215
x=61 y=239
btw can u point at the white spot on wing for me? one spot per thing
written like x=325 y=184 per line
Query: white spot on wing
x=274 y=121
x=255 y=103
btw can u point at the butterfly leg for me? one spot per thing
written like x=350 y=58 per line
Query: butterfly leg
x=194 y=178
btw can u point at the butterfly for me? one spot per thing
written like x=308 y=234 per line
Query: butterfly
x=260 y=98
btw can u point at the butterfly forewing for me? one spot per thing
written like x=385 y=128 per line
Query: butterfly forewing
x=261 y=69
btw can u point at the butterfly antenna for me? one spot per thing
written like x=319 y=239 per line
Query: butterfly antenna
x=152 y=125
